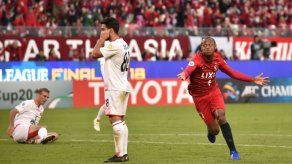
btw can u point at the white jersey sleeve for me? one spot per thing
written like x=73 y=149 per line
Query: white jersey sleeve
x=110 y=49
x=21 y=107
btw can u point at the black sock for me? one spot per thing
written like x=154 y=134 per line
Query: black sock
x=226 y=131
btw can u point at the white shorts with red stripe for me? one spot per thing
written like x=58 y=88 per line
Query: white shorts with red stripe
x=20 y=132
x=116 y=102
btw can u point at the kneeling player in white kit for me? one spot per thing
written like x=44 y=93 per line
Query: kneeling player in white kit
x=117 y=88
x=24 y=119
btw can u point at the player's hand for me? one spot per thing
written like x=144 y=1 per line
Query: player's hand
x=260 y=80
x=104 y=34
x=182 y=76
x=10 y=131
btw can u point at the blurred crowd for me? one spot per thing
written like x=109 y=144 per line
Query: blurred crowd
x=235 y=15
x=16 y=54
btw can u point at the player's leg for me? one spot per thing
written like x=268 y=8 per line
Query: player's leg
x=96 y=121
x=205 y=112
x=125 y=142
x=124 y=105
x=227 y=133
x=39 y=134
x=100 y=112
x=51 y=137
x=213 y=130
x=218 y=108
x=20 y=133
x=120 y=139
x=116 y=104
x=36 y=134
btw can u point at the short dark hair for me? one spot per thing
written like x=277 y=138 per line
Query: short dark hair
x=40 y=90
x=111 y=23
x=208 y=38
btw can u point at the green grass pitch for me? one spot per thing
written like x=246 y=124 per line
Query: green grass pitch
x=262 y=133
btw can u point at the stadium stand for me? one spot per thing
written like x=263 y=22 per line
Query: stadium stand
x=132 y=14
x=161 y=18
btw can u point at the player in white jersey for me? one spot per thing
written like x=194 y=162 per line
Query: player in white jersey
x=117 y=87
x=96 y=121
x=24 y=119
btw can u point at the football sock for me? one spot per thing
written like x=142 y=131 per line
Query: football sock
x=38 y=138
x=32 y=134
x=119 y=132
x=125 y=138
x=100 y=112
x=42 y=133
x=226 y=131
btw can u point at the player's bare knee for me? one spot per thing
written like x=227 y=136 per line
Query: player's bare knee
x=220 y=116
x=213 y=128
x=222 y=120
x=214 y=131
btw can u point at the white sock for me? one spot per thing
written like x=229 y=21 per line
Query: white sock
x=100 y=112
x=42 y=133
x=125 y=138
x=119 y=132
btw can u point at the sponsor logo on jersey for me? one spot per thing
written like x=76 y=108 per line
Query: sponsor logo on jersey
x=208 y=75
x=110 y=47
x=191 y=63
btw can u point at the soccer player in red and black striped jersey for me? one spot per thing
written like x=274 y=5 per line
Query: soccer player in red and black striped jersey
x=208 y=99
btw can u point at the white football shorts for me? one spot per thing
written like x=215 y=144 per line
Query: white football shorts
x=20 y=132
x=116 y=102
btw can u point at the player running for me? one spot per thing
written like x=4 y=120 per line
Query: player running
x=203 y=87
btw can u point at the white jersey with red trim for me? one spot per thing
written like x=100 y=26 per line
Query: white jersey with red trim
x=116 y=65
x=29 y=113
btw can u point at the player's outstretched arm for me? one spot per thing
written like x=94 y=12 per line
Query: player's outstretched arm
x=12 y=115
x=261 y=80
x=188 y=70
